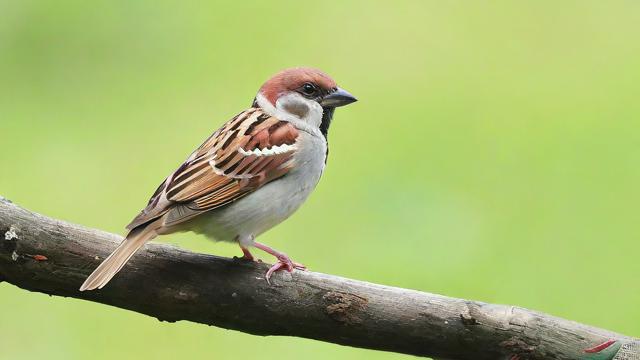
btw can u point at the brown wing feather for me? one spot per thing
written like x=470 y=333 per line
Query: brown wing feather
x=221 y=170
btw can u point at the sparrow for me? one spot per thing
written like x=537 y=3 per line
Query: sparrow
x=250 y=175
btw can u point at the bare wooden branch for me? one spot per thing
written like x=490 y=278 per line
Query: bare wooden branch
x=41 y=254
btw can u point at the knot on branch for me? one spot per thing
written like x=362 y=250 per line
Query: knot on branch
x=344 y=307
x=518 y=347
x=467 y=319
x=11 y=233
x=471 y=314
x=10 y=241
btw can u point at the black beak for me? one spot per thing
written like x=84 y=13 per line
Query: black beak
x=339 y=97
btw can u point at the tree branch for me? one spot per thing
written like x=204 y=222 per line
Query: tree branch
x=41 y=254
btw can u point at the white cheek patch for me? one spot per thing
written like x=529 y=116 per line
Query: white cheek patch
x=274 y=150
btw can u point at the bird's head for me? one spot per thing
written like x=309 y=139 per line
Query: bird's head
x=307 y=93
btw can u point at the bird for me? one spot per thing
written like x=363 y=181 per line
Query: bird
x=247 y=177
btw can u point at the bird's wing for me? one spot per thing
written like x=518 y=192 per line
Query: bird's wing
x=247 y=152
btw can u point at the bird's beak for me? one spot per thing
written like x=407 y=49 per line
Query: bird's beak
x=340 y=97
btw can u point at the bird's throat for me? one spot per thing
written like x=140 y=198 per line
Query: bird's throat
x=327 y=116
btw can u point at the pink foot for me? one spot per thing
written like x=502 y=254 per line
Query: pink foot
x=283 y=263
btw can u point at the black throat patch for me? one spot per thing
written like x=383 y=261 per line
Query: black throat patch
x=327 y=116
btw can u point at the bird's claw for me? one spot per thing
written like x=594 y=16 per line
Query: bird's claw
x=283 y=263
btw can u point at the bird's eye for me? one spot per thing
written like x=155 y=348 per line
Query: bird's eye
x=308 y=89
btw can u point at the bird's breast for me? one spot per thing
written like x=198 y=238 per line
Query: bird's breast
x=273 y=202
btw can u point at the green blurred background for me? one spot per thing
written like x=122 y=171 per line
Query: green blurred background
x=493 y=155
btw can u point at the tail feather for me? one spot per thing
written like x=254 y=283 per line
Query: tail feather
x=114 y=263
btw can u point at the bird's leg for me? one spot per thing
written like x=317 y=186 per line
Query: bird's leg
x=246 y=254
x=284 y=262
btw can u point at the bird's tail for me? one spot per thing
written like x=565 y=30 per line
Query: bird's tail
x=112 y=264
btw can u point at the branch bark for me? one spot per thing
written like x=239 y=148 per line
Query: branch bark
x=41 y=254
